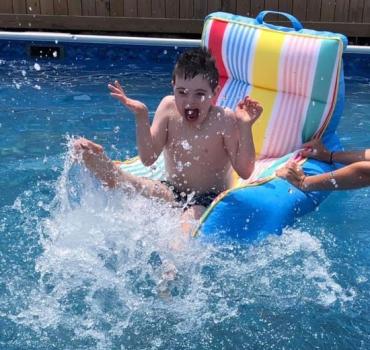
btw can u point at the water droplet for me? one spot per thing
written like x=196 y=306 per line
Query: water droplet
x=37 y=87
x=185 y=145
x=37 y=66
x=116 y=129
x=55 y=54
x=56 y=41
x=179 y=166
x=165 y=52
x=24 y=73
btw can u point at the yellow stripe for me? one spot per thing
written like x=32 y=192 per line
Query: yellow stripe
x=265 y=73
x=267 y=59
x=267 y=99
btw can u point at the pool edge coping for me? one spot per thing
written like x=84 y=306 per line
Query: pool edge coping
x=107 y=39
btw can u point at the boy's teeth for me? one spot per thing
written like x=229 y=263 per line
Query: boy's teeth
x=191 y=113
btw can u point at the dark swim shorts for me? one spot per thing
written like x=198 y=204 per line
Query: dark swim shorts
x=191 y=199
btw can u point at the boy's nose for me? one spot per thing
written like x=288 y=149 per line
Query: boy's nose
x=190 y=98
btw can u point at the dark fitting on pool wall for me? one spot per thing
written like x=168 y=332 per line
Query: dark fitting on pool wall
x=46 y=52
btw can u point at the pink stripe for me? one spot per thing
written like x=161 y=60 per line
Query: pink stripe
x=260 y=166
x=299 y=57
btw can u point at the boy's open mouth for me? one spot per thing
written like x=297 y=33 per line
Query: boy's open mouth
x=191 y=114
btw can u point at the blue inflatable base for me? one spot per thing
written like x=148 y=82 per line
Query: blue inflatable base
x=251 y=213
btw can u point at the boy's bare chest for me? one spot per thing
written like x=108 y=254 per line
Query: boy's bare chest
x=193 y=144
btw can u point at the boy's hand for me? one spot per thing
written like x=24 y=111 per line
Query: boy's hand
x=248 y=110
x=137 y=107
x=293 y=173
x=315 y=149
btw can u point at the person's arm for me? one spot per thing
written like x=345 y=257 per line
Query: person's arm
x=316 y=150
x=355 y=175
x=350 y=157
x=240 y=147
x=150 y=140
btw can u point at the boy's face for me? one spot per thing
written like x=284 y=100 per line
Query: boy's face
x=193 y=97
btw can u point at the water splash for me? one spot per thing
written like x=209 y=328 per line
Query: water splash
x=103 y=258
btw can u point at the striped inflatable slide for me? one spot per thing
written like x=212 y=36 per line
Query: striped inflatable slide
x=296 y=75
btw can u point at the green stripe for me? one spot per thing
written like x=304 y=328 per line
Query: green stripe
x=321 y=87
x=139 y=169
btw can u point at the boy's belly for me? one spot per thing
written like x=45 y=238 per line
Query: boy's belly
x=200 y=180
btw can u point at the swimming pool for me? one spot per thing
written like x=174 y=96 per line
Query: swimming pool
x=79 y=267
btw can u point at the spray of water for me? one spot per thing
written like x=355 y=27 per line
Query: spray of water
x=105 y=255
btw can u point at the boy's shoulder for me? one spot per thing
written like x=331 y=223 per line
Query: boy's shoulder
x=226 y=115
x=166 y=105
x=168 y=100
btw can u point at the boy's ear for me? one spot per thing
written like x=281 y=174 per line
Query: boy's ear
x=217 y=90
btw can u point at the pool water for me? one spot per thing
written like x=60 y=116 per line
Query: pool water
x=81 y=267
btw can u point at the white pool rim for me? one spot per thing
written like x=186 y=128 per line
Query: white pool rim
x=107 y=39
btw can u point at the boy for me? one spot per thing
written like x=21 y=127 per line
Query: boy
x=202 y=143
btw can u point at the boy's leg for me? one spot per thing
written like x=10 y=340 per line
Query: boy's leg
x=190 y=218
x=112 y=176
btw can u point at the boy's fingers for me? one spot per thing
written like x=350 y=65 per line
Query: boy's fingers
x=119 y=97
x=118 y=85
x=115 y=89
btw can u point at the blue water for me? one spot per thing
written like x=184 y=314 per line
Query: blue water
x=79 y=266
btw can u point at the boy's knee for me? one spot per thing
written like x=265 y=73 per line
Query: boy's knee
x=196 y=211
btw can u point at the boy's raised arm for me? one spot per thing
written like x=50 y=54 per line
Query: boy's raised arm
x=241 y=148
x=150 y=141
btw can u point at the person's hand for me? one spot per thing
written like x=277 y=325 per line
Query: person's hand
x=136 y=107
x=316 y=150
x=293 y=173
x=248 y=110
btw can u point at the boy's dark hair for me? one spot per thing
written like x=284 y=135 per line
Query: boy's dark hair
x=197 y=61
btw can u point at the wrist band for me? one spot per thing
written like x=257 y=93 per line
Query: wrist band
x=331 y=157
x=301 y=182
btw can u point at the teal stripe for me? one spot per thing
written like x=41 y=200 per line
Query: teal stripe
x=321 y=87
x=272 y=168
x=139 y=169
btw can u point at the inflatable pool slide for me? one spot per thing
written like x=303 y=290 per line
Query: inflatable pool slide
x=297 y=76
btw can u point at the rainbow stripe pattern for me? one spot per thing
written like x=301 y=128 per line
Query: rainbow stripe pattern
x=293 y=74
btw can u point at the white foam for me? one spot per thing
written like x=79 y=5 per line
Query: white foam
x=100 y=266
